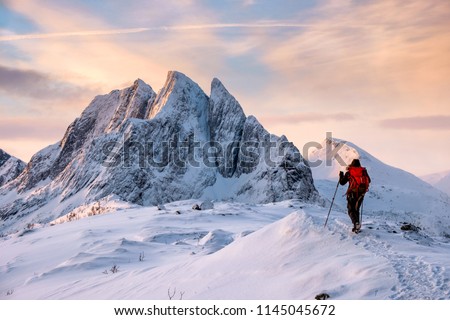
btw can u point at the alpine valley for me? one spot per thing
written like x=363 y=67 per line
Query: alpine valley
x=181 y=194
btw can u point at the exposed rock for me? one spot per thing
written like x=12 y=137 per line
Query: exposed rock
x=409 y=227
x=10 y=167
x=322 y=296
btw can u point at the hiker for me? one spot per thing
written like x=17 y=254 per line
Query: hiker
x=359 y=181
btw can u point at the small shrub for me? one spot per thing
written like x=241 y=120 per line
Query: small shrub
x=172 y=294
x=114 y=269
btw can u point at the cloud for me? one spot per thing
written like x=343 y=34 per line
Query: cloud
x=306 y=117
x=86 y=33
x=382 y=52
x=34 y=84
x=441 y=122
x=247 y=3
x=336 y=57
x=31 y=36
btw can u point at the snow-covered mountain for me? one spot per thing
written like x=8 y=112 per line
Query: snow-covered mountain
x=444 y=184
x=146 y=148
x=10 y=167
x=435 y=177
x=439 y=180
x=393 y=192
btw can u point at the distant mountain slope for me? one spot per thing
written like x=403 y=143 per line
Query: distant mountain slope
x=439 y=180
x=392 y=190
x=10 y=167
x=147 y=149
x=434 y=177
x=444 y=184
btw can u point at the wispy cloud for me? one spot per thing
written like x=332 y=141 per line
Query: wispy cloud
x=333 y=60
x=399 y=57
x=84 y=33
x=34 y=84
x=31 y=36
x=441 y=122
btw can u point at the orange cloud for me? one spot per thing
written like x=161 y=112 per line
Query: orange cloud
x=388 y=53
x=441 y=122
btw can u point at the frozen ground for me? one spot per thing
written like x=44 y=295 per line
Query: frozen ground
x=234 y=251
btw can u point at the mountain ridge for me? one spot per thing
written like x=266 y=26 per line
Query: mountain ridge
x=149 y=149
x=10 y=167
x=439 y=180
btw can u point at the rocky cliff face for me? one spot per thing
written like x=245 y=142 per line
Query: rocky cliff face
x=10 y=167
x=149 y=148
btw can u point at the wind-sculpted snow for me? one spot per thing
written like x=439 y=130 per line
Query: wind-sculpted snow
x=148 y=149
x=234 y=251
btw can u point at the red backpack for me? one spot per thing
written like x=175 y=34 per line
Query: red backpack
x=359 y=180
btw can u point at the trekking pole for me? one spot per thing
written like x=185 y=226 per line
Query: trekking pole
x=332 y=201
x=360 y=218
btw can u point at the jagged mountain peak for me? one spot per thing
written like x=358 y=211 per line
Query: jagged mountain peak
x=148 y=148
x=3 y=157
x=181 y=94
x=216 y=84
x=223 y=102
x=10 y=167
x=226 y=116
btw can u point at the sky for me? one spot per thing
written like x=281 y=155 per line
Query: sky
x=376 y=73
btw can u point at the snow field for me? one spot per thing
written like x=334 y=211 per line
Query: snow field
x=234 y=251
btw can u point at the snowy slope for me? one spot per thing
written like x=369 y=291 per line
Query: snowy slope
x=435 y=177
x=234 y=251
x=10 y=167
x=147 y=149
x=394 y=193
x=440 y=180
x=444 y=184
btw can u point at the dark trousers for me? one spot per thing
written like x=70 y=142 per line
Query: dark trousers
x=354 y=202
